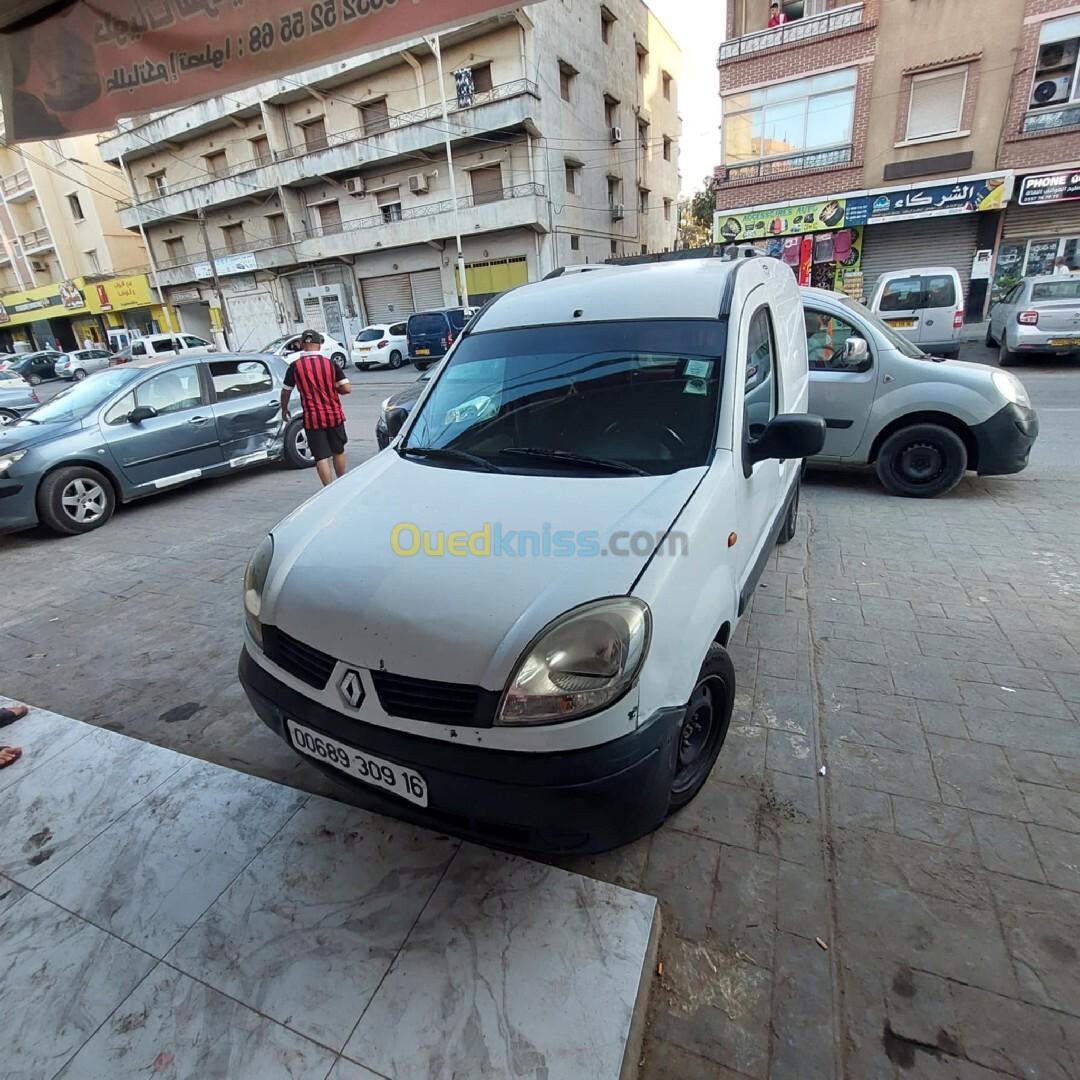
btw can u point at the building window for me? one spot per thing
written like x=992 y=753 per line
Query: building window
x=329 y=217
x=155 y=181
x=937 y=103
x=611 y=111
x=234 y=236
x=174 y=250
x=575 y=243
x=665 y=85
x=614 y=191
x=487 y=184
x=607 y=21
x=644 y=249
x=614 y=247
x=1055 y=85
x=667 y=148
x=75 y=207
x=810 y=117
x=573 y=171
x=260 y=149
x=566 y=79
x=92 y=261
x=279 y=231
x=667 y=209
x=481 y=77
x=643 y=200
x=216 y=163
x=642 y=58
x=643 y=136
x=389 y=202
x=374 y=116
x=314 y=134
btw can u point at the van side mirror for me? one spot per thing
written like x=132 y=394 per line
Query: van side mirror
x=788 y=436
x=141 y=413
x=856 y=351
x=395 y=421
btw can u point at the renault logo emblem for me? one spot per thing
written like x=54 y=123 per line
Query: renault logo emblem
x=352 y=689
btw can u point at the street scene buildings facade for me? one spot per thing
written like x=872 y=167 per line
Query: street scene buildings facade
x=868 y=137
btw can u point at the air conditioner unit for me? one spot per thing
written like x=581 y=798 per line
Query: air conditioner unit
x=1056 y=55
x=418 y=183
x=354 y=185
x=1051 y=91
x=618 y=211
x=39 y=266
x=616 y=134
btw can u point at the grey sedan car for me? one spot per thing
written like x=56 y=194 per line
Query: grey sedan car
x=1039 y=315
x=17 y=397
x=140 y=429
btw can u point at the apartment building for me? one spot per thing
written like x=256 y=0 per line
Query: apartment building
x=865 y=137
x=68 y=269
x=329 y=198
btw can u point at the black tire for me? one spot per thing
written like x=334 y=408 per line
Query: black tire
x=990 y=342
x=421 y=366
x=75 y=499
x=79 y=375
x=339 y=359
x=297 y=454
x=922 y=461
x=395 y=360
x=34 y=380
x=705 y=726
x=791 y=521
x=1006 y=357
x=7 y=417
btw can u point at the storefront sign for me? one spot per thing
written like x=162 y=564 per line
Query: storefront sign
x=117 y=294
x=934 y=200
x=1049 y=187
x=75 y=297
x=779 y=221
x=70 y=296
x=228 y=264
x=184 y=296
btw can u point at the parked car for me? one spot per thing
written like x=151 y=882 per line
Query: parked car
x=1039 y=315
x=384 y=345
x=82 y=362
x=163 y=347
x=17 y=397
x=926 y=304
x=402 y=402
x=35 y=367
x=140 y=429
x=289 y=348
x=556 y=701
x=431 y=333
x=922 y=422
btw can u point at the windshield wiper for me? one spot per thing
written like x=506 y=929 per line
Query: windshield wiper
x=28 y=419
x=445 y=453
x=575 y=459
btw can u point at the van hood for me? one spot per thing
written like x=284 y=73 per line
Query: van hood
x=336 y=583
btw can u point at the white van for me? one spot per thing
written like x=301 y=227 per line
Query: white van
x=527 y=644
x=926 y=304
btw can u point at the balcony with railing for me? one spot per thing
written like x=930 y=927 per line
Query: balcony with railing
x=520 y=206
x=36 y=240
x=810 y=28
x=400 y=136
x=771 y=168
x=17 y=186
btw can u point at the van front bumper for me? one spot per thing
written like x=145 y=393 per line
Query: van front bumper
x=1005 y=440
x=576 y=802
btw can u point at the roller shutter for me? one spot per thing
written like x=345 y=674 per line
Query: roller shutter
x=947 y=241
x=1047 y=220
x=387 y=299
x=427 y=290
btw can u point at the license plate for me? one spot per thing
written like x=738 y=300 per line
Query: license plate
x=1065 y=341
x=405 y=783
x=423 y=352
x=363 y=348
x=902 y=324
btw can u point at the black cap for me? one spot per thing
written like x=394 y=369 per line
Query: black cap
x=309 y=337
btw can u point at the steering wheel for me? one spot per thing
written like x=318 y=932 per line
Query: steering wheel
x=672 y=441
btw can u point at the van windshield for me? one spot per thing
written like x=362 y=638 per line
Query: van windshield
x=644 y=395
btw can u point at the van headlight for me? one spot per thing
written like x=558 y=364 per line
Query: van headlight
x=255 y=575
x=580 y=663
x=1011 y=388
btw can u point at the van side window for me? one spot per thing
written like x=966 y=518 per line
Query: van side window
x=760 y=390
x=826 y=335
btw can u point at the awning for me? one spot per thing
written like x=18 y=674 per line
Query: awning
x=75 y=68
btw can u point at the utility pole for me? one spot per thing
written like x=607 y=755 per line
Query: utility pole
x=226 y=329
x=437 y=49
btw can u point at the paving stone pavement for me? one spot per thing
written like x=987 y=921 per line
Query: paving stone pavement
x=926 y=655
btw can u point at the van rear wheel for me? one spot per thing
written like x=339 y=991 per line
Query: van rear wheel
x=922 y=461
x=705 y=726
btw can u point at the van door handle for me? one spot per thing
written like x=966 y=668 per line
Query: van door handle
x=198 y=419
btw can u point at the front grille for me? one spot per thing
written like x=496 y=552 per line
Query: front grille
x=435 y=702
x=304 y=661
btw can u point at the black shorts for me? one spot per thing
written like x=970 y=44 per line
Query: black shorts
x=325 y=442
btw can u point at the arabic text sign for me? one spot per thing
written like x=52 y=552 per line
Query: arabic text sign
x=1049 y=187
x=937 y=200
x=779 y=221
x=81 y=68
x=228 y=264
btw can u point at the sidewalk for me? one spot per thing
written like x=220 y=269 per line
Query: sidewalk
x=163 y=916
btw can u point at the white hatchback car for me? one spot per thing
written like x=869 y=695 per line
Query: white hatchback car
x=481 y=666
x=289 y=348
x=82 y=362
x=381 y=345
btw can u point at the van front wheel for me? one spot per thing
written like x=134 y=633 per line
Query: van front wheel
x=921 y=461
x=704 y=727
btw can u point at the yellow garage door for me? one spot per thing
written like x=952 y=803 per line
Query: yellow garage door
x=487 y=279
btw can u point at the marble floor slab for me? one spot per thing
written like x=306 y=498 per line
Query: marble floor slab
x=306 y=933
x=169 y=858
x=41 y=735
x=514 y=970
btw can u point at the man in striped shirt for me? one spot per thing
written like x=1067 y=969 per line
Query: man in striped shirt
x=320 y=383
